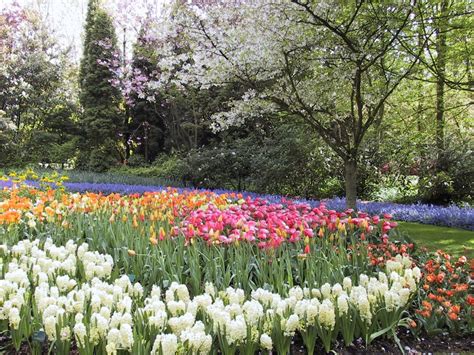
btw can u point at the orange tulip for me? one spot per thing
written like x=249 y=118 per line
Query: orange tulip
x=452 y=316
x=470 y=300
x=440 y=277
x=424 y=313
x=455 y=309
x=447 y=304
x=427 y=305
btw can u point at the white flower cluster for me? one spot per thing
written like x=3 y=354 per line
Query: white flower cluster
x=118 y=316
x=6 y=123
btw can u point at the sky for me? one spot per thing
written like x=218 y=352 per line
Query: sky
x=66 y=17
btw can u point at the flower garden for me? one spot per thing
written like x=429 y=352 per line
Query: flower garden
x=198 y=272
x=240 y=177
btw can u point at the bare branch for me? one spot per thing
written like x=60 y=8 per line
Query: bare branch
x=333 y=28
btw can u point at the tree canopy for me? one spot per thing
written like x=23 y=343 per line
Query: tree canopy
x=381 y=90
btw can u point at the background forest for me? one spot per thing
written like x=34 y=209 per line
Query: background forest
x=143 y=108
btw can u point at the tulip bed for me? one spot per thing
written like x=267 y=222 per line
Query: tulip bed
x=449 y=216
x=199 y=272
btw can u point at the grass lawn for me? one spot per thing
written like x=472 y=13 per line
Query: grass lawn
x=452 y=240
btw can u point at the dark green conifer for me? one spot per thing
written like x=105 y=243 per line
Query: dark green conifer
x=101 y=116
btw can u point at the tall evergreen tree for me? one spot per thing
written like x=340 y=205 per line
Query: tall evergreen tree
x=100 y=100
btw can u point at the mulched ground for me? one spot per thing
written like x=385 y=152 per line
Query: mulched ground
x=439 y=344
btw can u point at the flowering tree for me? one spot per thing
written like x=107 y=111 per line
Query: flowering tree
x=164 y=113
x=136 y=77
x=14 y=27
x=35 y=97
x=330 y=65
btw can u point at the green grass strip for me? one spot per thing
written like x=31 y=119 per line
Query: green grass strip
x=451 y=240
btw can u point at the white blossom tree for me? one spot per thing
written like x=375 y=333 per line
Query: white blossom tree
x=330 y=64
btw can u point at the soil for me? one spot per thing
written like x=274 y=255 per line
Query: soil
x=439 y=344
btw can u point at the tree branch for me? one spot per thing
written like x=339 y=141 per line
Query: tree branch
x=328 y=25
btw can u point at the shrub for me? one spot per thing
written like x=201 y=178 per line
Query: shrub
x=101 y=160
x=136 y=161
x=449 y=178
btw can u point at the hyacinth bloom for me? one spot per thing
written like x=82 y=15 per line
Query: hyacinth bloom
x=76 y=298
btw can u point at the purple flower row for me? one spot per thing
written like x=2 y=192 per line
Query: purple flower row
x=450 y=216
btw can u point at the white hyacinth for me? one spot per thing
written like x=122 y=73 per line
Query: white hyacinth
x=326 y=290
x=236 y=330
x=290 y=325
x=343 y=304
x=106 y=311
x=165 y=344
x=327 y=316
x=80 y=333
x=266 y=342
x=296 y=292
x=210 y=289
x=178 y=324
x=196 y=340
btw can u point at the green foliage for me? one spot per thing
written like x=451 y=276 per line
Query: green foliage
x=101 y=117
x=449 y=177
x=56 y=141
x=136 y=161
x=36 y=97
x=294 y=163
x=285 y=162
x=144 y=114
x=164 y=168
x=225 y=165
x=7 y=145
x=102 y=158
x=116 y=176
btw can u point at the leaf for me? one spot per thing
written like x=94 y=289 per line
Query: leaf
x=131 y=277
x=381 y=332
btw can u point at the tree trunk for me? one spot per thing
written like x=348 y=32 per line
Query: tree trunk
x=441 y=63
x=419 y=89
x=350 y=179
